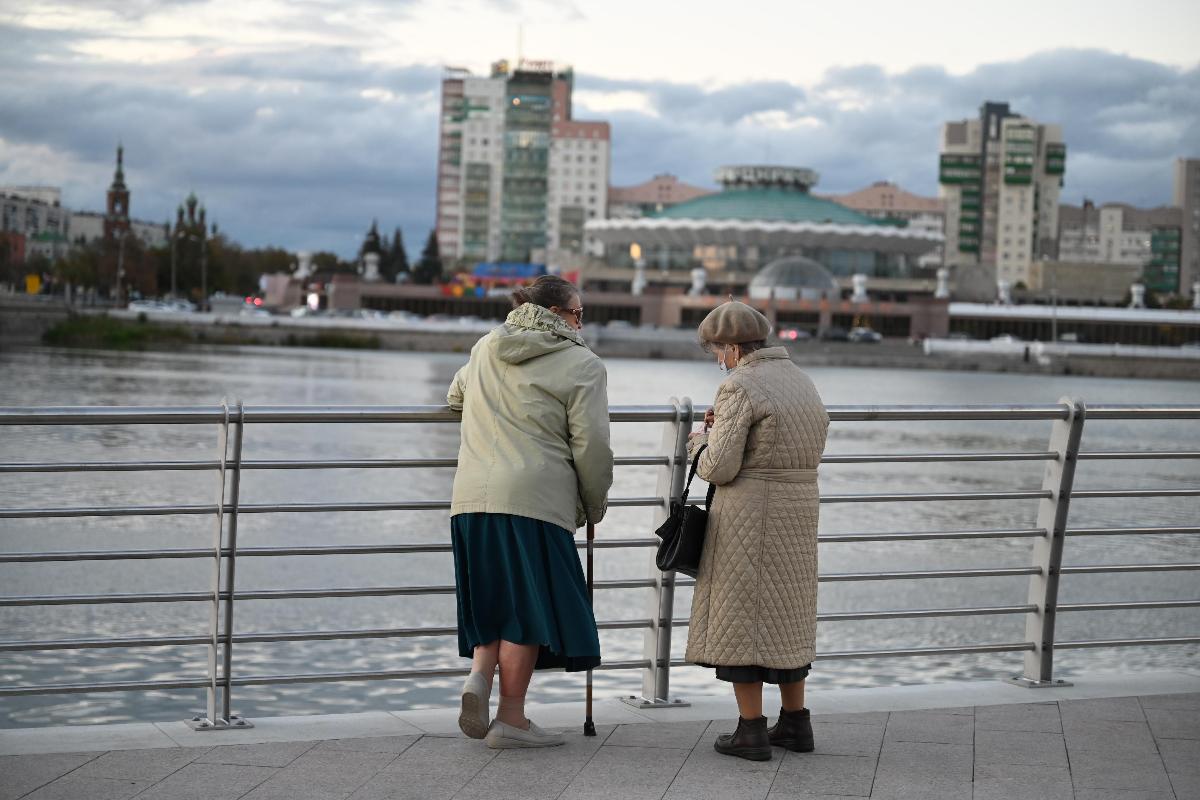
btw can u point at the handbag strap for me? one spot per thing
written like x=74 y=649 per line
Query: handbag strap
x=691 y=474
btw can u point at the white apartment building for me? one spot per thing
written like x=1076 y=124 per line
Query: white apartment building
x=516 y=174
x=1000 y=178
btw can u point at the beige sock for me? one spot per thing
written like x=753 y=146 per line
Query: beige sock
x=512 y=711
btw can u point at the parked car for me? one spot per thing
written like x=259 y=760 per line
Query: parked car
x=794 y=334
x=864 y=335
x=835 y=334
x=1006 y=338
x=959 y=336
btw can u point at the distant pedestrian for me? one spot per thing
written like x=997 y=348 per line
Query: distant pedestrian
x=754 y=609
x=534 y=464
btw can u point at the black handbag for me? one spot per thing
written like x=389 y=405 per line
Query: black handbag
x=682 y=533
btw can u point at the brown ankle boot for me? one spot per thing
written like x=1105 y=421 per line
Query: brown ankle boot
x=748 y=741
x=793 y=731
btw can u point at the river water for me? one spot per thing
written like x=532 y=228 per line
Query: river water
x=258 y=376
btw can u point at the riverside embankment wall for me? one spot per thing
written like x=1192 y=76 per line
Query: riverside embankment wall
x=208 y=329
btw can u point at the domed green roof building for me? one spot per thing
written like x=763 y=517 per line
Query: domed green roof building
x=763 y=213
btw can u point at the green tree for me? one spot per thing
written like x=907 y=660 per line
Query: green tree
x=429 y=268
x=399 y=256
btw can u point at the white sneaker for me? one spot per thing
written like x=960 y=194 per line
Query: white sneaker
x=473 y=718
x=502 y=736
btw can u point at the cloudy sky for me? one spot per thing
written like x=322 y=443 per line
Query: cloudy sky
x=298 y=121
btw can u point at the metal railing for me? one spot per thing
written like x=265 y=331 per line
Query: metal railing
x=1048 y=537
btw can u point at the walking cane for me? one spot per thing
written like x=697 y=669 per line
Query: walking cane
x=589 y=727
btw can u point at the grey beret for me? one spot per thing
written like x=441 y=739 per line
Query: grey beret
x=734 y=323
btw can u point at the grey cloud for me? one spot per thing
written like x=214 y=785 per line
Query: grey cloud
x=284 y=148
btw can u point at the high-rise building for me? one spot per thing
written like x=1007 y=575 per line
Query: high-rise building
x=999 y=177
x=1116 y=233
x=516 y=174
x=1187 y=198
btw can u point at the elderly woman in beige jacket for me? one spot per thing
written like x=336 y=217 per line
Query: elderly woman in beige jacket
x=754 y=610
x=534 y=464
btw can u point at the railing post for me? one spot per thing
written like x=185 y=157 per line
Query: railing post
x=209 y=720
x=656 y=680
x=1058 y=479
x=227 y=718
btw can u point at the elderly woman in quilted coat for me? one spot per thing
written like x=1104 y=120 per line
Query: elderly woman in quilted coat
x=754 y=610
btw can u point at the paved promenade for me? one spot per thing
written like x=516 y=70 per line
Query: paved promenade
x=1143 y=747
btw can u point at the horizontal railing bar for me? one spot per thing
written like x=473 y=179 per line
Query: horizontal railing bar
x=1082 y=494
x=117 y=415
x=114 y=415
x=105 y=599
x=263 y=508
x=1128 y=605
x=916 y=536
x=923 y=574
x=1011 y=647
x=362 y=463
x=390 y=591
x=1148 y=411
x=875 y=458
x=867 y=413
x=1032 y=494
x=122 y=686
x=334 y=677
x=1127 y=642
x=440 y=547
x=267 y=637
x=315 y=550
x=1130 y=531
x=916 y=613
x=1096 y=568
x=1029 y=494
x=17 y=646
x=1119 y=454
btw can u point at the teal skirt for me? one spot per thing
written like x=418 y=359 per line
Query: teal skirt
x=519 y=579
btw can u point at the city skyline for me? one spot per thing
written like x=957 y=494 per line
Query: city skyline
x=298 y=138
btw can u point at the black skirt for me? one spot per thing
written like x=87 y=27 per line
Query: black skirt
x=755 y=674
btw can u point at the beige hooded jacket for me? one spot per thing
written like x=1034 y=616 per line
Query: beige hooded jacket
x=535 y=439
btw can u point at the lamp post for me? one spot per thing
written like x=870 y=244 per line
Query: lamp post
x=204 y=270
x=120 y=267
x=174 y=238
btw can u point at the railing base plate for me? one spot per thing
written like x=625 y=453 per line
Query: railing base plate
x=641 y=702
x=1029 y=683
x=205 y=724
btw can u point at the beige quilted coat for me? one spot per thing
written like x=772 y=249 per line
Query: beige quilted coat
x=755 y=601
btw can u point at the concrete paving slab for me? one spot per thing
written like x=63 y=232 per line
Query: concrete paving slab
x=1168 y=723
x=73 y=787
x=1180 y=756
x=927 y=726
x=1084 y=793
x=809 y=773
x=372 y=744
x=266 y=754
x=842 y=739
x=1114 y=709
x=674 y=735
x=22 y=774
x=318 y=776
x=891 y=787
x=533 y=774
x=878 y=718
x=708 y=775
x=431 y=769
x=1097 y=769
x=1186 y=787
x=1174 y=701
x=1042 y=717
x=1002 y=782
x=82 y=738
x=308 y=728
x=1026 y=748
x=206 y=781
x=1108 y=736
x=926 y=762
x=141 y=765
x=627 y=773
